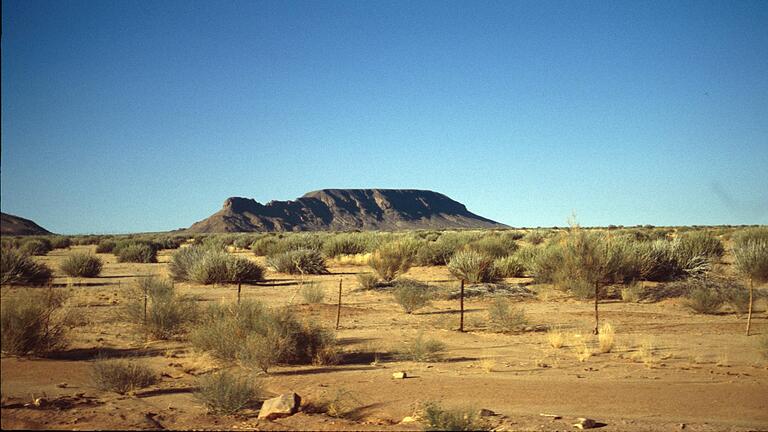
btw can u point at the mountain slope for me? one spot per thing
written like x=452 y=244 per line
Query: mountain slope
x=13 y=225
x=343 y=210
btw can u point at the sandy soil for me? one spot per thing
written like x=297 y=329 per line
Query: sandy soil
x=703 y=374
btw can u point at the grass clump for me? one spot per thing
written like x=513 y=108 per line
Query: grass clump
x=260 y=337
x=81 y=265
x=136 y=253
x=555 y=338
x=472 y=267
x=631 y=293
x=300 y=261
x=509 y=267
x=606 y=338
x=168 y=313
x=393 y=259
x=504 y=316
x=312 y=294
x=411 y=295
x=367 y=281
x=32 y=323
x=18 y=268
x=36 y=246
x=121 y=376
x=422 y=349
x=225 y=393
x=437 y=418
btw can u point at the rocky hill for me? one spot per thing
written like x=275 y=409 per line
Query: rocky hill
x=11 y=225
x=344 y=210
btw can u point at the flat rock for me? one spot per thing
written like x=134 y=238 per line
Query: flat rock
x=584 y=423
x=399 y=375
x=282 y=406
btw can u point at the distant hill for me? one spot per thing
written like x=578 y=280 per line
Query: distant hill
x=344 y=210
x=13 y=225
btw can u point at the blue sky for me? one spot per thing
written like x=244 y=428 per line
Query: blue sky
x=129 y=116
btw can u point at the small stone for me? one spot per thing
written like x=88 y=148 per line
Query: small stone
x=61 y=385
x=486 y=413
x=40 y=402
x=408 y=419
x=282 y=406
x=682 y=426
x=399 y=375
x=584 y=423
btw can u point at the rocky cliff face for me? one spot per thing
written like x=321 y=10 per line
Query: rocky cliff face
x=11 y=225
x=344 y=210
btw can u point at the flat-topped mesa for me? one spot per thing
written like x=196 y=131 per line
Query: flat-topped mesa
x=344 y=210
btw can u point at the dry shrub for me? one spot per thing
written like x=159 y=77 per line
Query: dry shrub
x=437 y=418
x=168 y=313
x=580 y=348
x=504 y=316
x=121 y=376
x=312 y=294
x=411 y=295
x=606 y=338
x=509 y=266
x=367 y=281
x=81 y=265
x=472 y=266
x=33 y=322
x=225 y=393
x=301 y=261
x=18 y=268
x=422 y=349
x=393 y=259
x=136 y=253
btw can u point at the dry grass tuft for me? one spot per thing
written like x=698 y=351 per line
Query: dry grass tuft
x=580 y=348
x=555 y=338
x=606 y=338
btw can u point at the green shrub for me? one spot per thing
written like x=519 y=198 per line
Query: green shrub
x=106 y=246
x=545 y=262
x=411 y=295
x=393 y=259
x=211 y=268
x=504 y=316
x=208 y=265
x=81 y=265
x=224 y=329
x=183 y=260
x=509 y=266
x=301 y=261
x=473 y=267
x=168 y=313
x=434 y=253
x=121 y=376
x=367 y=281
x=32 y=322
x=224 y=393
x=266 y=246
x=344 y=244
x=495 y=246
x=424 y=350
x=751 y=258
x=438 y=419
x=18 y=268
x=136 y=253
x=61 y=242
x=36 y=246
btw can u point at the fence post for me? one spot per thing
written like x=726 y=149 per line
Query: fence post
x=461 y=297
x=338 y=309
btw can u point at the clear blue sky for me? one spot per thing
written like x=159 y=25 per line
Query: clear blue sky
x=126 y=116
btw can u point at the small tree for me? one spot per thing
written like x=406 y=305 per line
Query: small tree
x=584 y=258
x=751 y=259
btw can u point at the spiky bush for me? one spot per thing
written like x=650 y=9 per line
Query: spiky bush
x=473 y=267
x=81 y=265
x=411 y=295
x=509 y=266
x=495 y=246
x=121 y=375
x=301 y=261
x=751 y=234
x=225 y=328
x=698 y=243
x=751 y=258
x=136 y=253
x=504 y=316
x=208 y=265
x=344 y=244
x=61 y=242
x=32 y=323
x=18 y=268
x=393 y=259
x=225 y=393
x=168 y=312
x=36 y=246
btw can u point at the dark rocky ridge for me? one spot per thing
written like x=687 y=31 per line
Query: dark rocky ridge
x=344 y=210
x=11 y=225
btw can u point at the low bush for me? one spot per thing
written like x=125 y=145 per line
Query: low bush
x=136 y=253
x=421 y=349
x=535 y=237
x=367 y=281
x=698 y=243
x=18 y=268
x=312 y=293
x=301 y=261
x=437 y=418
x=344 y=244
x=207 y=265
x=266 y=246
x=121 y=376
x=81 y=265
x=168 y=313
x=32 y=323
x=106 y=246
x=224 y=330
x=704 y=300
x=225 y=393
x=508 y=267
x=434 y=253
x=411 y=295
x=472 y=267
x=495 y=246
x=393 y=259
x=36 y=246
x=504 y=316
x=61 y=242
